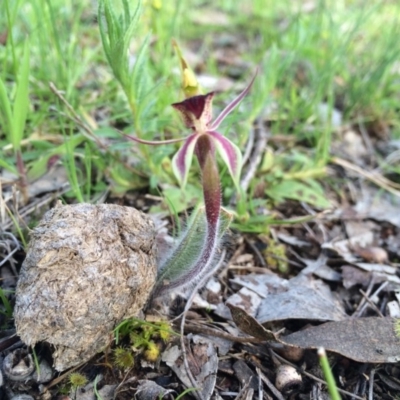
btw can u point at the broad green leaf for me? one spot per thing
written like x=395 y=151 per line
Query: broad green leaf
x=179 y=199
x=8 y=167
x=311 y=193
x=177 y=269
x=40 y=166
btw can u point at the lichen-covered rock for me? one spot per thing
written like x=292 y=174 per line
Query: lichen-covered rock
x=87 y=268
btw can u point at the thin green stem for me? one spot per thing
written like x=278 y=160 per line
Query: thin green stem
x=330 y=380
x=10 y=37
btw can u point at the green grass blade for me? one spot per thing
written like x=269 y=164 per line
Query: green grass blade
x=8 y=167
x=6 y=303
x=21 y=103
x=6 y=116
x=330 y=380
x=139 y=81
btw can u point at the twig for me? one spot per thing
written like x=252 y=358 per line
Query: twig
x=242 y=395
x=249 y=146
x=371 y=385
x=10 y=252
x=256 y=252
x=15 y=203
x=124 y=380
x=356 y=389
x=261 y=137
x=367 y=140
x=319 y=224
x=358 y=310
x=374 y=177
x=377 y=291
x=89 y=133
x=61 y=377
x=370 y=302
x=223 y=335
x=271 y=387
x=9 y=341
x=260 y=388
x=74 y=116
x=185 y=311
x=247 y=268
x=34 y=205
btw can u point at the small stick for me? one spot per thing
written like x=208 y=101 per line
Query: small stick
x=374 y=177
x=249 y=146
x=78 y=120
x=377 y=291
x=75 y=117
x=260 y=387
x=256 y=252
x=371 y=385
x=261 y=135
x=367 y=140
x=223 y=335
x=371 y=303
x=185 y=311
x=271 y=387
x=10 y=252
x=359 y=309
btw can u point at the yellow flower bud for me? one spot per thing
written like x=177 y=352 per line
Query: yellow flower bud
x=190 y=84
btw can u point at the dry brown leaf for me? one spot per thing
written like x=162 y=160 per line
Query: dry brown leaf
x=203 y=363
x=375 y=204
x=246 y=299
x=368 y=340
x=305 y=298
x=247 y=324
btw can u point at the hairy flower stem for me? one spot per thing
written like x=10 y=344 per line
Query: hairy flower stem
x=205 y=153
x=205 y=252
x=23 y=181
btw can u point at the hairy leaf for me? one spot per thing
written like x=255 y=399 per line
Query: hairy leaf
x=181 y=268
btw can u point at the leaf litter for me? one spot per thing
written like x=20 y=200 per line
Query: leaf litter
x=356 y=259
x=304 y=310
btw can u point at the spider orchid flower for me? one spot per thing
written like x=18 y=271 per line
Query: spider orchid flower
x=197 y=248
x=196 y=112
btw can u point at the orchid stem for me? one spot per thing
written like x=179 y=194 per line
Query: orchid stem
x=205 y=153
